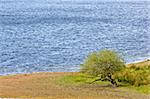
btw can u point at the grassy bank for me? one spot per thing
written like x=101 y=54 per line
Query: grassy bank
x=81 y=80
x=67 y=86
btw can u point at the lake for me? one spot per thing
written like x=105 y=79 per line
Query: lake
x=57 y=35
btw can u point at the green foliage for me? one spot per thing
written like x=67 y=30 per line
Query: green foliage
x=103 y=64
x=135 y=76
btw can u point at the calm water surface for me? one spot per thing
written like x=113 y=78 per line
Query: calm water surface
x=46 y=35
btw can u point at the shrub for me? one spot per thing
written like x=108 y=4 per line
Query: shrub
x=103 y=64
x=134 y=76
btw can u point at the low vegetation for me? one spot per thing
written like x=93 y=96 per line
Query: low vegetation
x=134 y=75
x=80 y=80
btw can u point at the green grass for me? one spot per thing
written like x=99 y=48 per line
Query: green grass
x=77 y=80
x=82 y=79
x=139 y=89
x=142 y=89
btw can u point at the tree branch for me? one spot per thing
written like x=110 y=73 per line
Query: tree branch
x=95 y=80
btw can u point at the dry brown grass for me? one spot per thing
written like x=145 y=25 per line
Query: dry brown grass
x=139 y=64
x=40 y=85
x=43 y=86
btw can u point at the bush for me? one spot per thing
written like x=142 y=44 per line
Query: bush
x=135 y=76
x=103 y=64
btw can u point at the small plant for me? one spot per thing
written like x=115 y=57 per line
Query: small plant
x=103 y=64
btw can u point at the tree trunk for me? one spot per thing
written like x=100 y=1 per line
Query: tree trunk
x=113 y=82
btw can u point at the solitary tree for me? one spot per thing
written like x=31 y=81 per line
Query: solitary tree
x=103 y=64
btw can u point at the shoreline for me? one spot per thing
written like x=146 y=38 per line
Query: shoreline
x=137 y=61
x=127 y=65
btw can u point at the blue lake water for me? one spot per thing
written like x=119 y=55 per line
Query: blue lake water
x=56 y=35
